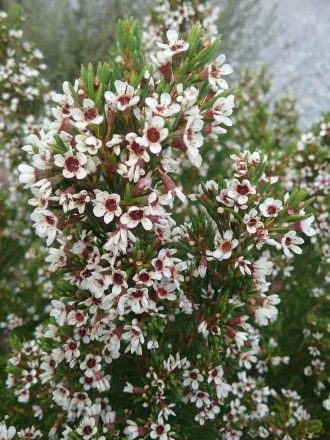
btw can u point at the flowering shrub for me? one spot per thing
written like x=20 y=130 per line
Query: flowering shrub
x=305 y=283
x=154 y=320
x=24 y=286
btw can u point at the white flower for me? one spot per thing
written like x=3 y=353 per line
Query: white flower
x=289 y=243
x=57 y=258
x=45 y=224
x=217 y=70
x=72 y=164
x=226 y=246
x=124 y=98
x=91 y=365
x=118 y=281
x=134 y=335
x=252 y=221
x=6 y=433
x=240 y=191
x=270 y=207
x=132 y=430
x=135 y=216
x=222 y=108
x=88 y=114
x=193 y=139
x=135 y=300
x=160 y=430
x=87 y=143
x=137 y=149
x=267 y=311
x=27 y=175
x=164 y=107
x=87 y=428
x=215 y=375
x=106 y=205
x=200 y=398
x=175 y=45
x=192 y=378
x=306 y=226
x=153 y=134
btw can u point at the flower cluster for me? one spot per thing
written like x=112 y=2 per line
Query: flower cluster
x=150 y=331
x=180 y=16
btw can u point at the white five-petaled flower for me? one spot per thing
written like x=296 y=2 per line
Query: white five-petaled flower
x=175 y=45
x=87 y=143
x=163 y=105
x=45 y=224
x=192 y=378
x=136 y=215
x=124 y=97
x=87 y=428
x=160 y=430
x=290 y=242
x=270 y=207
x=239 y=191
x=217 y=70
x=252 y=221
x=222 y=108
x=106 y=205
x=137 y=149
x=88 y=114
x=72 y=164
x=118 y=281
x=135 y=300
x=226 y=246
x=154 y=133
x=91 y=365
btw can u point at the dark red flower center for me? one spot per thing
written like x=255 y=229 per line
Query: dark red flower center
x=137 y=294
x=90 y=113
x=153 y=135
x=226 y=246
x=124 y=99
x=87 y=430
x=144 y=277
x=50 y=220
x=91 y=363
x=111 y=205
x=160 y=429
x=117 y=278
x=271 y=210
x=242 y=189
x=136 y=215
x=136 y=148
x=72 y=345
x=72 y=164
